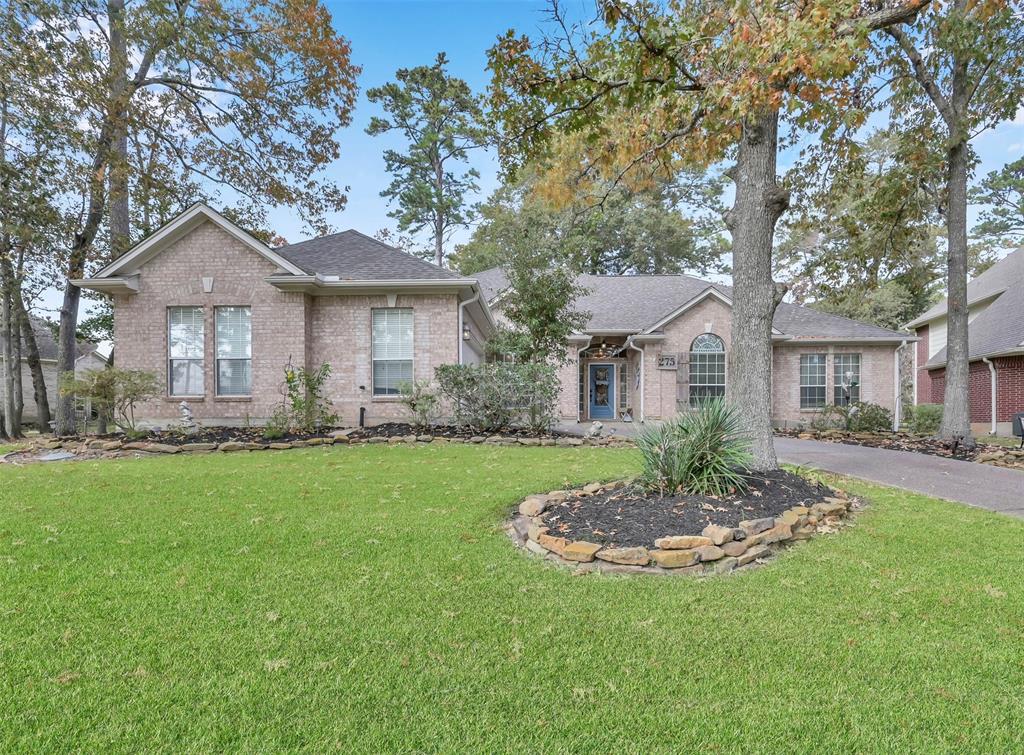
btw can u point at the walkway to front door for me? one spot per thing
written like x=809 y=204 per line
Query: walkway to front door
x=602 y=391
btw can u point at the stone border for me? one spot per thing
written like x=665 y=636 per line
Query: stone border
x=717 y=550
x=113 y=448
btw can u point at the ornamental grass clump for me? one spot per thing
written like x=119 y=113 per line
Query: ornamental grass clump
x=701 y=452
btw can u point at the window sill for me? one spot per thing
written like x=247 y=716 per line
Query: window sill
x=233 y=398
x=179 y=399
x=386 y=399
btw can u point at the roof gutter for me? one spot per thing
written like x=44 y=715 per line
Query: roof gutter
x=992 y=374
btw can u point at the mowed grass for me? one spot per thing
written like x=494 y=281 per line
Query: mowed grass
x=365 y=599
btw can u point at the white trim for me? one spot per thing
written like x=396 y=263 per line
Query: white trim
x=461 y=324
x=177 y=228
x=125 y=284
x=994 y=380
x=926 y=318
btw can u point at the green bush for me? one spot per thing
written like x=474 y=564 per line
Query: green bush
x=859 y=418
x=701 y=452
x=492 y=397
x=113 y=392
x=422 y=400
x=278 y=424
x=924 y=419
x=309 y=410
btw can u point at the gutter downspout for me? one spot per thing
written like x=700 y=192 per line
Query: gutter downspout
x=462 y=308
x=992 y=372
x=897 y=414
x=631 y=345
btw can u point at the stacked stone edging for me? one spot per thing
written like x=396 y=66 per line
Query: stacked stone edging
x=112 y=447
x=717 y=550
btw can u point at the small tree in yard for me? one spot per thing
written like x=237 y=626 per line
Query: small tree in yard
x=422 y=401
x=113 y=392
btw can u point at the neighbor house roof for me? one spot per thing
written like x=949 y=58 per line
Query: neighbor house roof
x=351 y=255
x=638 y=303
x=999 y=327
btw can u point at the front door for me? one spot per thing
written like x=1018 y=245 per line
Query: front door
x=602 y=391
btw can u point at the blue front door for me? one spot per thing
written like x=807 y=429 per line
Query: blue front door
x=602 y=391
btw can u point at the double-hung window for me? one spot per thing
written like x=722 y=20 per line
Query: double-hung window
x=812 y=381
x=707 y=369
x=846 y=379
x=234 y=351
x=185 y=332
x=392 y=351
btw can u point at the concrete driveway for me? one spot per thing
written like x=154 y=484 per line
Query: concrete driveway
x=981 y=485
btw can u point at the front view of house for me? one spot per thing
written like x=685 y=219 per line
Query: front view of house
x=219 y=316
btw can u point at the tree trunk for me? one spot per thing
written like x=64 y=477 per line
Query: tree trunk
x=35 y=366
x=7 y=331
x=66 y=342
x=956 y=410
x=439 y=213
x=19 y=388
x=758 y=205
x=118 y=177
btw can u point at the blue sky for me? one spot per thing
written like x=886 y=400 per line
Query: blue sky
x=390 y=34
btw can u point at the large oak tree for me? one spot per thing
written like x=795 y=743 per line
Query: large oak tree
x=655 y=86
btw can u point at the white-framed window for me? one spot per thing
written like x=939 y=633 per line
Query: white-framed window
x=812 y=381
x=185 y=334
x=846 y=379
x=392 y=350
x=707 y=369
x=234 y=351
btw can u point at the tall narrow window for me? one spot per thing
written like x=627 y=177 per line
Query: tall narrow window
x=185 y=351
x=707 y=369
x=392 y=350
x=234 y=351
x=846 y=379
x=812 y=381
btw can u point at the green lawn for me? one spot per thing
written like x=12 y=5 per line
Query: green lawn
x=365 y=599
x=1000 y=440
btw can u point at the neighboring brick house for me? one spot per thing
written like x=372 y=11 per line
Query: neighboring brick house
x=218 y=315
x=995 y=338
x=658 y=343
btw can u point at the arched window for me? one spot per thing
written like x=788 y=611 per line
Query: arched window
x=707 y=369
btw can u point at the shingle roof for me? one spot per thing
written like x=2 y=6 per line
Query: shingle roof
x=352 y=255
x=999 y=328
x=47 y=343
x=636 y=303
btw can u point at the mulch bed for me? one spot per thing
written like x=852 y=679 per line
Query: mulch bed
x=921 y=444
x=255 y=434
x=631 y=517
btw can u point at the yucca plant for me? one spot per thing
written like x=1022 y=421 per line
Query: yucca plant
x=701 y=452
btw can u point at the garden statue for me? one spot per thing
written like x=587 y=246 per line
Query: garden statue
x=188 y=424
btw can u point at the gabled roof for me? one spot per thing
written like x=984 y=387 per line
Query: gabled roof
x=351 y=255
x=999 y=327
x=643 y=303
x=199 y=213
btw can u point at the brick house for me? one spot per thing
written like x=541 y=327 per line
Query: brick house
x=657 y=343
x=217 y=315
x=995 y=336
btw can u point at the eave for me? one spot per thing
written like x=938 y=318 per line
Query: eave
x=320 y=285
x=120 y=285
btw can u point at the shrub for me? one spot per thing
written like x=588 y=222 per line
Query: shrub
x=701 y=452
x=858 y=418
x=422 y=400
x=113 y=392
x=491 y=397
x=924 y=419
x=278 y=424
x=308 y=408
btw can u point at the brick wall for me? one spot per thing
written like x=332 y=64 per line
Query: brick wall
x=286 y=327
x=1009 y=389
x=877 y=375
x=341 y=335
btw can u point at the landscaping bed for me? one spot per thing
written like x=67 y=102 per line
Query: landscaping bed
x=233 y=439
x=983 y=453
x=621 y=527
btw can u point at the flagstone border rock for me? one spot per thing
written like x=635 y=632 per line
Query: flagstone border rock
x=94 y=448
x=717 y=550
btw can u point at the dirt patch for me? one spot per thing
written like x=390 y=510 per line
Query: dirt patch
x=631 y=517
